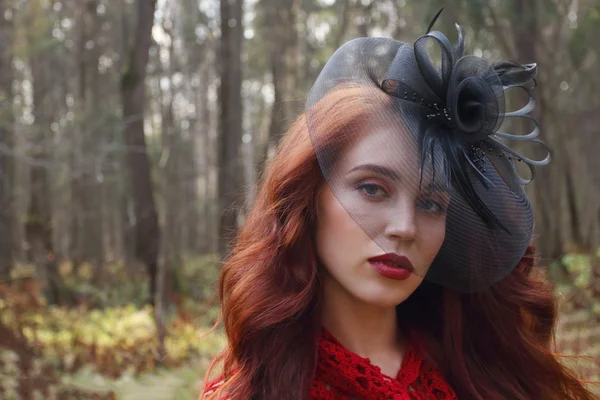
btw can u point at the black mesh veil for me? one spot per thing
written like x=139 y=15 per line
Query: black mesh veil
x=433 y=132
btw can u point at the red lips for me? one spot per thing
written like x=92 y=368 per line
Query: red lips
x=393 y=266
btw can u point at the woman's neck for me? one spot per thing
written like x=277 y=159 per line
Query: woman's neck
x=364 y=329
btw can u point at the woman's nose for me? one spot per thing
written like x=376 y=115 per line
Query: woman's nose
x=402 y=223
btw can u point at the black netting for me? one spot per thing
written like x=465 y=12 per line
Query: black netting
x=433 y=134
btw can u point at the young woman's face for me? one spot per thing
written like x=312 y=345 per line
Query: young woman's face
x=372 y=207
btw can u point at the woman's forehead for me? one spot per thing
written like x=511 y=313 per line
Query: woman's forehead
x=392 y=148
x=389 y=144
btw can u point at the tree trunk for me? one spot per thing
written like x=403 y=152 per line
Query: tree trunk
x=147 y=236
x=553 y=192
x=125 y=216
x=366 y=20
x=127 y=223
x=7 y=142
x=277 y=54
x=204 y=127
x=189 y=17
x=171 y=183
x=230 y=174
x=343 y=25
x=39 y=220
x=38 y=226
x=76 y=157
x=87 y=222
x=95 y=111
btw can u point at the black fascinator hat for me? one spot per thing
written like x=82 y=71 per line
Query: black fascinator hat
x=446 y=122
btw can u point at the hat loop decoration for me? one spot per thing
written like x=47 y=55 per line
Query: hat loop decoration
x=467 y=96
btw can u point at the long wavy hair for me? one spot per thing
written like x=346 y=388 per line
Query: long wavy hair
x=270 y=290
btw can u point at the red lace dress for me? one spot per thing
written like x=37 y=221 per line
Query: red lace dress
x=343 y=375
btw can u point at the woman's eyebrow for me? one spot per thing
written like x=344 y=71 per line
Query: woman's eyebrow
x=379 y=169
x=390 y=173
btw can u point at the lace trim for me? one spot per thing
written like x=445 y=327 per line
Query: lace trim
x=342 y=374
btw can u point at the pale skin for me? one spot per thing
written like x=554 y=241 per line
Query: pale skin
x=358 y=305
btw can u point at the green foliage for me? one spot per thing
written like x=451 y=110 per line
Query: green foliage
x=196 y=281
x=112 y=340
x=182 y=383
x=580 y=266
x=112 y=294
x=575 y=276
x=199 y=280
x=102 y=343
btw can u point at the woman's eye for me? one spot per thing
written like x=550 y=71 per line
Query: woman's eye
x=372 y=190
x=432 y=205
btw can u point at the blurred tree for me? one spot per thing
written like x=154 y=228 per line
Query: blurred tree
x=147 y=239
x=172 y=155
x=124 y=17
x=230 y=128
x=7 y=143
x=87 y=224
x=38 y=226
x=199 y=67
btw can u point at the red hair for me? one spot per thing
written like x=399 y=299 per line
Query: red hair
x=269 y=292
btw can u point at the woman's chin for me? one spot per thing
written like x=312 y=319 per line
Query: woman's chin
x=387 y=294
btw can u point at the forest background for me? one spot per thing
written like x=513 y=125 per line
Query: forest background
x=132 y=135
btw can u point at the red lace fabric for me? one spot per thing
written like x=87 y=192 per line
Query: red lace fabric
x=343 y=375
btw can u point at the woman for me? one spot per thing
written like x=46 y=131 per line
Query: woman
x=387 y=255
